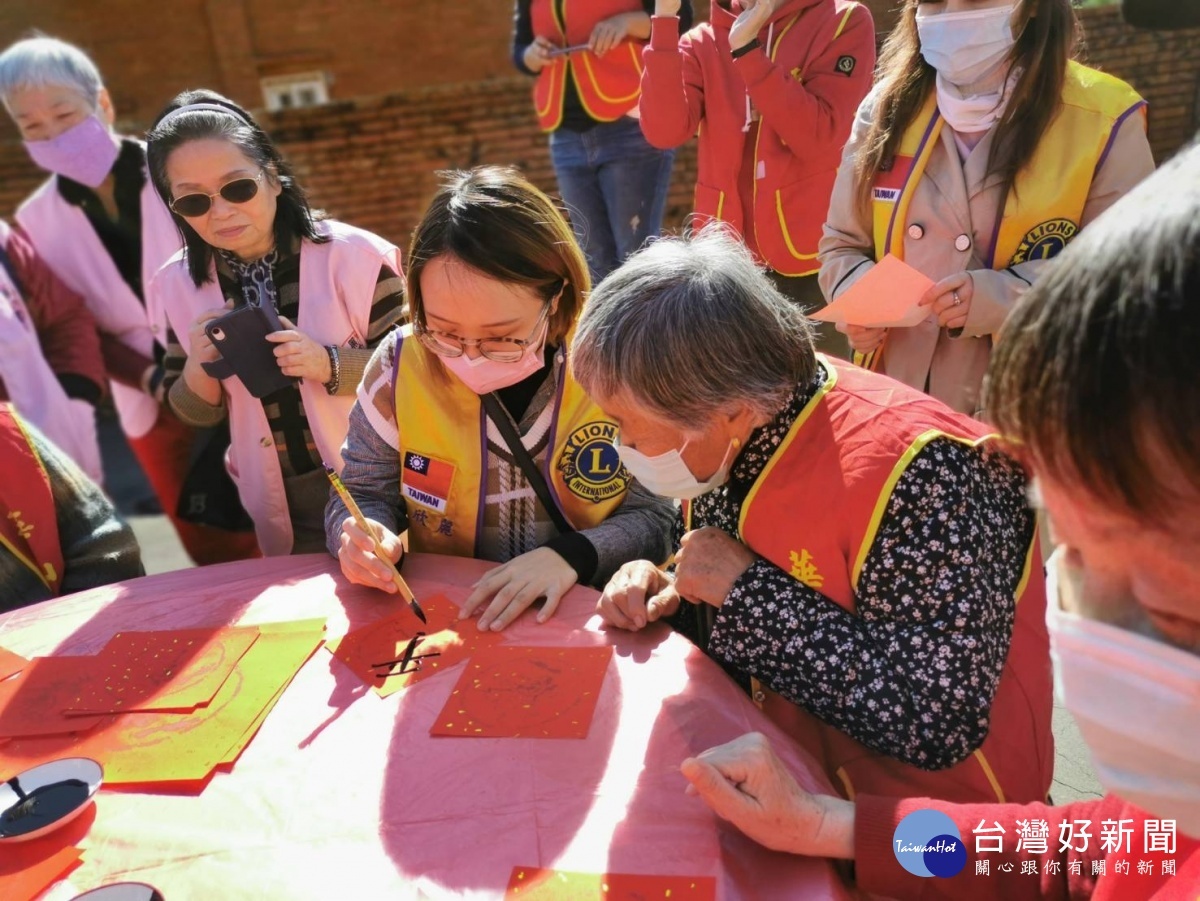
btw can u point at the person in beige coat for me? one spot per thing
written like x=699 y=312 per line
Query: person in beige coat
x=988 y=115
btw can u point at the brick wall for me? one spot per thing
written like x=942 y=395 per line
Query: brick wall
x=371 y=161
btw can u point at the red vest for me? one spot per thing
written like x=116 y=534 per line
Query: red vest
x=29 y=524
x=842 y=457
x=608 y=85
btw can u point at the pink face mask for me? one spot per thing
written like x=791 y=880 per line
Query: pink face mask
x=483 y=376
x=84 y=153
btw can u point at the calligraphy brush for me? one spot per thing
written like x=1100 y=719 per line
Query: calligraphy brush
x=348 y=500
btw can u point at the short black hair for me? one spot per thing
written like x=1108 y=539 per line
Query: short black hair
x=293 y=217
x=1096 y=376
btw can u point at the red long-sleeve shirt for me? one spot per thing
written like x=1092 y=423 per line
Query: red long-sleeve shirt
x=65 y=327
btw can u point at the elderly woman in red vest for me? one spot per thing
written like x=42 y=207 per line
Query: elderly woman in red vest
x=852 y=548
x=980 y=153
x=586 y=55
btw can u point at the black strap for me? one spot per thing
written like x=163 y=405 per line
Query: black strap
x=497 y=414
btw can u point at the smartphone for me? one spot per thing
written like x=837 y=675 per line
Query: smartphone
x=240 y=336
x=560 y=51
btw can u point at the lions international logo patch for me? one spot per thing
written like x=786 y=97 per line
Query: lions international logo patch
x=1045 y=240
x=589 y=463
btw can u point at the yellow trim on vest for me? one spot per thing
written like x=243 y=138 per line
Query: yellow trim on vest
x=845 y=18
x=772 y=52
x=780 y=452
x=890 y=485
x=787 y=238
x=841 y=773
x=550 y=101
x=637 y=62
x=30 y=564
x=720 y=204
x=900 y=207
x=1029 y=558
x=991 y=776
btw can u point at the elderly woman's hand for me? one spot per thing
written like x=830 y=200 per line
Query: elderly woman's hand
x=299 y=356
x=638 y=593
x=707 y=565
x=745 y=783
x=513 y=586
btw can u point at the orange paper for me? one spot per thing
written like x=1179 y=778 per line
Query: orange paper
x=536 y=884
x=175 y=670
x=451 y=639
x=163 y=748
x=508 y=692
x=11 y=663
x=23 y=878
x=886 y=297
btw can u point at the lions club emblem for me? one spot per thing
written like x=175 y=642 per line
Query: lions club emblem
x=589 y=463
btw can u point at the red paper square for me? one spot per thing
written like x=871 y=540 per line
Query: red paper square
x=176 y=670
x=523 y=692
x=451 y=639
x=32 y=703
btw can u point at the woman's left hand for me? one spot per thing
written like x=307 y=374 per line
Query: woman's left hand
x=299 y=356
x=513 y=586
x=950 y=300
x=708 y=563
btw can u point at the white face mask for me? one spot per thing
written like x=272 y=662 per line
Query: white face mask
x=1137 y=703
x=966 y=47
x=667 y=475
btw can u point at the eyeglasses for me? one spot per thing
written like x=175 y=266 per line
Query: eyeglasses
x=500 y=350
x=240 y=190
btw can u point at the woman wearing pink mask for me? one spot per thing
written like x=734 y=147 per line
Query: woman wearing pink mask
x=982 y=150
x=333 y=291
x=98 y=225
x=470 y=430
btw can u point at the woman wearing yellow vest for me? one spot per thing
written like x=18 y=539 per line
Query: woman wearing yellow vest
x=587 y=58
x=981 y=152
x=851 y=548
x=496 y=282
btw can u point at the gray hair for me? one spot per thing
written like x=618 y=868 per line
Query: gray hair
x=689 y=327
x=43 y=61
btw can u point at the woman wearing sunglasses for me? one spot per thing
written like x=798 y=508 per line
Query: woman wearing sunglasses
x=251 y=240
x=470 y=431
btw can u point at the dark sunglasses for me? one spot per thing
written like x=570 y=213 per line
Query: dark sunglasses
x=240 y=190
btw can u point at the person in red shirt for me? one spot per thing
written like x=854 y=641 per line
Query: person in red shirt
x=771 y=86
x=1098 y=386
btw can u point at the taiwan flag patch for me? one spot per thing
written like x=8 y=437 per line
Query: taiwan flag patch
x=426 y=480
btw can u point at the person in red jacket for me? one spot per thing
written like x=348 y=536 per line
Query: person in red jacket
x=771 y=86
x=1097 y=382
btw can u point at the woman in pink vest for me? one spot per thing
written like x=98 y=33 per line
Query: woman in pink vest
x=850 y=548
x=252 y=241
x=98 y=225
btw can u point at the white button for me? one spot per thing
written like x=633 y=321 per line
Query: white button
x=266 y=442
x=759 y=697
x=916 y=232
x=962 y=242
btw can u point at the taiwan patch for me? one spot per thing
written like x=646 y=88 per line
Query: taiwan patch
x=845 y=64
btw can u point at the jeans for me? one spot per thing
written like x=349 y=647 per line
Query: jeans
x=615 y=187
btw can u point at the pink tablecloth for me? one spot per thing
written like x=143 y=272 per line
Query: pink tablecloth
x=345 y=795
